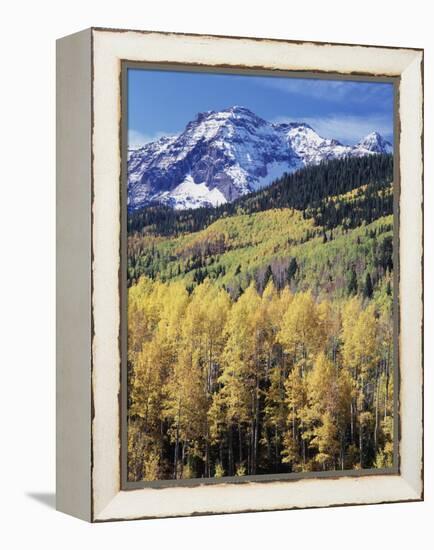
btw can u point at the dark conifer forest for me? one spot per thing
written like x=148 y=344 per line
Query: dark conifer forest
x=304 y=190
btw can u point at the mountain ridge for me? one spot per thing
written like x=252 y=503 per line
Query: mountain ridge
x=223 y=155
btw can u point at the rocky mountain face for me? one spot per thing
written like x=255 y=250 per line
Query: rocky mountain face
x=223 y=155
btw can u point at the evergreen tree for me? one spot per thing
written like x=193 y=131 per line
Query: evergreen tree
x=368 y=289
x=352 y=283
x=292 y=269
x=268 y=276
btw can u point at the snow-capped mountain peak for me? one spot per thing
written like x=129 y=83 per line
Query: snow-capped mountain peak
x=222 y=155
x=375 y=143
x=310 y=147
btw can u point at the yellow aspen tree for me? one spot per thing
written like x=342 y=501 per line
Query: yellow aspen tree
x=207 y=315
x=384 y=404
x=273 y=307
x=301 y=332
x=360 y=355
x=330 y=323
x=151 y=367
x=295 y=400
x=302 y=336
x=239 y=373
x=327 y=411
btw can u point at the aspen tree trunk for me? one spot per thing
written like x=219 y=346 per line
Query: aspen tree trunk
x=207 y=462
x=240 y=444
x=361 y=428
x=249 y=452
x=293 y=414
x=377 y=399
x=255 y=440
x=342 y=453
x=303 y=446
x=175 y=468
x=386 y=393
x=269 y=444
x=276 y=444
x=175 y=471
x=208 y=388
x=183 y=458
x=161 y=440
x=231 y=452
x=207 y=474
x=252 y=436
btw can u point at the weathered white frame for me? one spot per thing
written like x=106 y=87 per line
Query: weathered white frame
x=88 y=433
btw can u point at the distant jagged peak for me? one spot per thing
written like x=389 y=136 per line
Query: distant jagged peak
x=375 y=143
x=303 y=131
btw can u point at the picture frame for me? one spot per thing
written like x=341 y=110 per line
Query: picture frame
x=91 y=299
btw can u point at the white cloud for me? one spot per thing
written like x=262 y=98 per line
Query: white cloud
x=138 y=139
x=314 y=88
x=334 y=90
x=348 y=129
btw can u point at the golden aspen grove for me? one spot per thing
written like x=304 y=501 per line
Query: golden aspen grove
x=260 y=332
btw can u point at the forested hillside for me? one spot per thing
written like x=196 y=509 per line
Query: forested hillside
x=306 y=188
x=260 y=331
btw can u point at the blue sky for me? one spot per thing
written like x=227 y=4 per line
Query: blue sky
x=163 y=102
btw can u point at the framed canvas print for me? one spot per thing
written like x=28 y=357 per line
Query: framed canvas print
x=239 y=267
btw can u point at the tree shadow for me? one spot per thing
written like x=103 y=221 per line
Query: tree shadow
x=47 y=499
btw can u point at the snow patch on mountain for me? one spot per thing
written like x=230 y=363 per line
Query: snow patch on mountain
x=189 y=194
x=275 y=170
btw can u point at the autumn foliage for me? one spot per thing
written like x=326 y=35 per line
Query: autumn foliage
x=260 y=332
x=270 y=383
